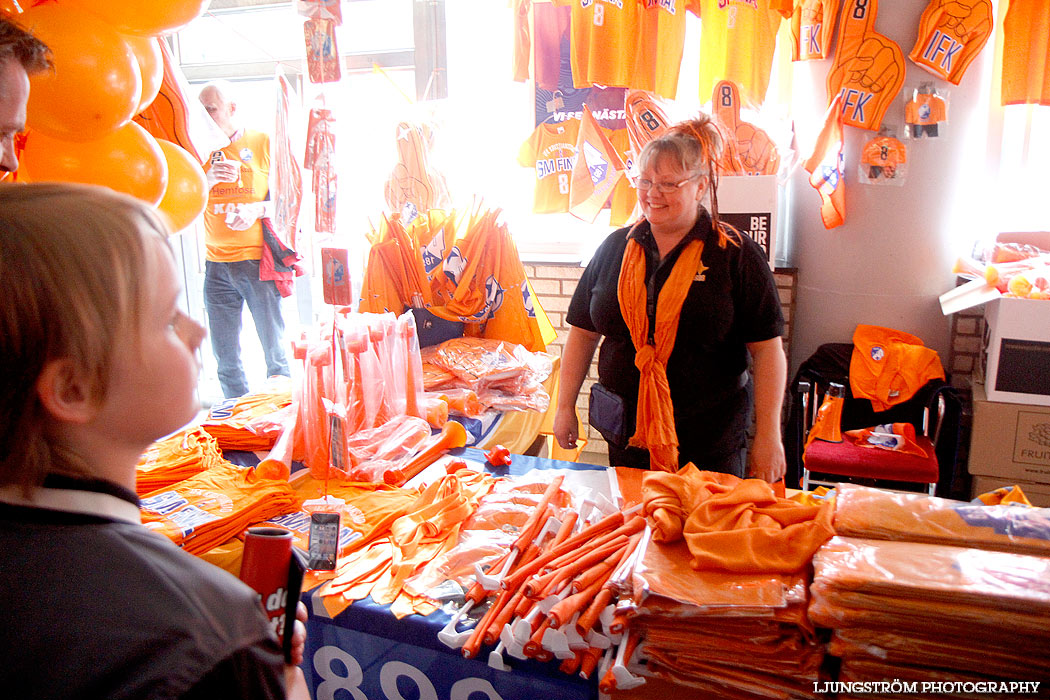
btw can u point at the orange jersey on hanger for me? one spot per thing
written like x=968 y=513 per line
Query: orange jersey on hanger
x=869 y=67
x=522 y=40
x=737 y=44
x=951 y=34
x=1026 y=53
x=551 y=150
x=604 y=35
x=812 y=28
x=884 y=151
x=661 y=43
x=925 y=109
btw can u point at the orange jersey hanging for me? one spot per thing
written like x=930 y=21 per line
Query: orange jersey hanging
x=1026 y=53
x=603 y=39
x=737 y=44
x=951 y=34
x=756 y=151
x=812 y=28
x=551 y=150
x=661 y=44
x=869 y=68
x=884 y=157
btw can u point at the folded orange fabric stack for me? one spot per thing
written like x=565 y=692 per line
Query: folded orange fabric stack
x=252 y=422
x=735 y=626
x=861 y=511
x=216 y=505
x=919 y=612
x=180 y=456
x=401 y=542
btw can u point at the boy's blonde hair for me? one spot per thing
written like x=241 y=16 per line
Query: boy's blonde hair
x=72 y=260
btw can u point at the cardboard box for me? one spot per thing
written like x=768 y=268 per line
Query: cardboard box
x=1038 y=494
x=749 y=203
x=1016 y=362
x=1009 y=440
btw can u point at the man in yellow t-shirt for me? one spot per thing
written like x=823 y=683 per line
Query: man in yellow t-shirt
x=238 y=180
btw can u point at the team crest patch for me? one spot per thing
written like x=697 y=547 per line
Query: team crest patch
x=455 y=264
x=527 y=299
x=877 y=353
x=434 y=252
x=493 y=296
x=246 y=155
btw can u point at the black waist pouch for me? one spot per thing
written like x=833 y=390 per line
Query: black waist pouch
x=608 y=415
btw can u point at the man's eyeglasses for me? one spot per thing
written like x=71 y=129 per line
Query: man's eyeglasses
x=663 y=187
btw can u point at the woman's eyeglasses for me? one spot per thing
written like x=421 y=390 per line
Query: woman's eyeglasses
x=662 y=187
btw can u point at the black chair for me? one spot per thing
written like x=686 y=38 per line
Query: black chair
x=935 y=412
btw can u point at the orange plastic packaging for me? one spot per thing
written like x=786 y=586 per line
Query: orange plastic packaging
x=828 y=425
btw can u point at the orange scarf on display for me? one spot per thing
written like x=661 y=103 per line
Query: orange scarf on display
x=654 y=428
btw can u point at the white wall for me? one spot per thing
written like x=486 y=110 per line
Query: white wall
x=892 y=258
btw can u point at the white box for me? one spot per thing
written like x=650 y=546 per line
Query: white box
x=749 y=203
x=1016 y=360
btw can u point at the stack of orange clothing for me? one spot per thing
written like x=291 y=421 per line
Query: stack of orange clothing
x=216 y=505
x=252 y=422
x=177 y=457
x=918 y=612
x=861 y=511
x=730 y=631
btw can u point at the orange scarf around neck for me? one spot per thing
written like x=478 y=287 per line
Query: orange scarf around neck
x=654 y=428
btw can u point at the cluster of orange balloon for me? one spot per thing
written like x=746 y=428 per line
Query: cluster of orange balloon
x=108 y=67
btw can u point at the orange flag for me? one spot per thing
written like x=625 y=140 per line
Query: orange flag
x=827 y=166
x=597 y=170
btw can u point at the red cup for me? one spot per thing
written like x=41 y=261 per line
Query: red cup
x=264 y=567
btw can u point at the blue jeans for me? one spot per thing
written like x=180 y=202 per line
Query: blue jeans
x=227 y=287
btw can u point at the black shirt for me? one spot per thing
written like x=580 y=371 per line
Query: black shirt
x=733 y=302
x=97 y=606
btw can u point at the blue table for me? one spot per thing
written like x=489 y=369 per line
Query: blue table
x=365 y=653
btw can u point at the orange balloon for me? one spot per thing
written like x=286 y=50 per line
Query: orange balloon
x=187 y=193
x=151 y=66
x=96 y=84
x=126 y=160
x=9 y=8
x=146 y=17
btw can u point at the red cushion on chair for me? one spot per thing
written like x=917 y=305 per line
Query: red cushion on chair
x=848 y=459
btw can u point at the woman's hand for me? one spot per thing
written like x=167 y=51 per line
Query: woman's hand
x=566 y=428
x=765 y=459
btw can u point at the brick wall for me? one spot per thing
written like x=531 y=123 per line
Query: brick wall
x=554 y=285
x=964 y=367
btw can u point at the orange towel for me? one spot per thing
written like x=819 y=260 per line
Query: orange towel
x=736 y=524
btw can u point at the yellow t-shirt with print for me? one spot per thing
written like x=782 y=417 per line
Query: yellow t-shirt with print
x=252 y=150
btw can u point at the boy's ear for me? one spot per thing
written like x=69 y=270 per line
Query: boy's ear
x=65 y=392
